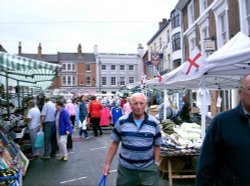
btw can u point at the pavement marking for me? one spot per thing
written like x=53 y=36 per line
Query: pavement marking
x=98 y=148
x=67 y=181
x=113 y=170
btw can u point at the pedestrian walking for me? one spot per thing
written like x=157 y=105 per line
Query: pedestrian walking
x=139 y=156
x=126 y=107
x=63 y=128
x=48 y=125
x=95 y=109
x=83 y=114
x=224 y=158
x=33 y=120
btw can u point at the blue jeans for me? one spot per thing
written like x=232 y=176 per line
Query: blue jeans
x=85 y=132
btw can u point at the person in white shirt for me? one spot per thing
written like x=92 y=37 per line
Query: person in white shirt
x=33 y=120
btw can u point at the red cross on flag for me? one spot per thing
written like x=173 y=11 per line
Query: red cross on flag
x=193 y=63
x=157 y=74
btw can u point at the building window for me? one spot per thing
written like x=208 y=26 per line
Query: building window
x=68 y=67
x=104 y=81
x=160 y=43
x=176 y=42
x=113 y=67
x=122 y=80
x=222 y=28
x=176 y=63
x=168 y=35
x=131 y=80
x=68 y=80
x=131 y=67
x=122 y=67
x=190 y=13
x=203 y=5
x=88 y=68
x=104 y=67
x=113 y=80
x=175 y=19
x=248 y=15
x=88 y=81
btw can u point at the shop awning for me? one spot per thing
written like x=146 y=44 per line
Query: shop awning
x=26 y=72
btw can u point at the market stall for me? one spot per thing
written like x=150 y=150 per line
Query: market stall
x=18 y=72
x=221 y=70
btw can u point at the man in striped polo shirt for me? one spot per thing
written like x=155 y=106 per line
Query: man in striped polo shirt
x=140 y=138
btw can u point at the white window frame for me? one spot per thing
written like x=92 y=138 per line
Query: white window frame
x=104 y=67
x=133 y=67
x=122 y=81
x=219 y=11
x=244 y=23
x=68 y=67
x=191 y=41
x=68 y=80
x=111 y=67
x=203 y=5
x=123 y=68
x=204 y=26
x=104 y=81
x=88 y=67
x=113 y=81
x=88 y=80
x=131 y=79
x=191 y=17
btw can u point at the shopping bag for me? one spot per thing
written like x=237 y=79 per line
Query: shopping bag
x=39 y=139
x=83 y=125
x=102 y=181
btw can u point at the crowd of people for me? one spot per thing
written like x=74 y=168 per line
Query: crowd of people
x=224 y=154
x=58 y=119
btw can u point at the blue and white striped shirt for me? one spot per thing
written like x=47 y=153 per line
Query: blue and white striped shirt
x=137 y=144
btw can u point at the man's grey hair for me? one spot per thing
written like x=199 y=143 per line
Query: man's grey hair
x=136 y=95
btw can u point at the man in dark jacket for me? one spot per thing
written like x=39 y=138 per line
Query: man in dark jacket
x=225 y=155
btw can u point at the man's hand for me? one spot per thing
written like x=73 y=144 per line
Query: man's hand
x=106 y=170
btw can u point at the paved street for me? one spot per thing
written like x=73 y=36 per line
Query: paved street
x=84 y=166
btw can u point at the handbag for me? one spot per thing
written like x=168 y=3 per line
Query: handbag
x=39 y=139
x=102 y=181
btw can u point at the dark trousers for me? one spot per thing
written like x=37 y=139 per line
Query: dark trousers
x=96 y=126
x=48 y=128
x=72 y=119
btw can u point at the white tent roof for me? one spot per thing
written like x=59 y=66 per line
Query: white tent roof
x=221 y=70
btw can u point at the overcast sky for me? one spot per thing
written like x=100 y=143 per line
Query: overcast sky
x=60 y=25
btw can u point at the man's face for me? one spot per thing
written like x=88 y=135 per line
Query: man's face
x=138 y=105
x=245 y=94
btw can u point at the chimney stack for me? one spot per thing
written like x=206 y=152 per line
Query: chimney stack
x=79 y=50
x=39 y=51
x=162 y=23
x=140 y=50
x=19 y=48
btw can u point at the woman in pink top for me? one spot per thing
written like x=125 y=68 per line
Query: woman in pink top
x=70 y=107
x=126 y=107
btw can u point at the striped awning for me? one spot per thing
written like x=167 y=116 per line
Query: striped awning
x=26 y=72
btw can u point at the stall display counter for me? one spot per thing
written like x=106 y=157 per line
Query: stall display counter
x=178 y=166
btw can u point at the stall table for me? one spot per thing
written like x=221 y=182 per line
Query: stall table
x=179 y=170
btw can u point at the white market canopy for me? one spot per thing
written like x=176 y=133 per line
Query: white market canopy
x=26 y=72
x=221 y=70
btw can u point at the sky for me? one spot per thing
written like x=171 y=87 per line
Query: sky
x=115 y=26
